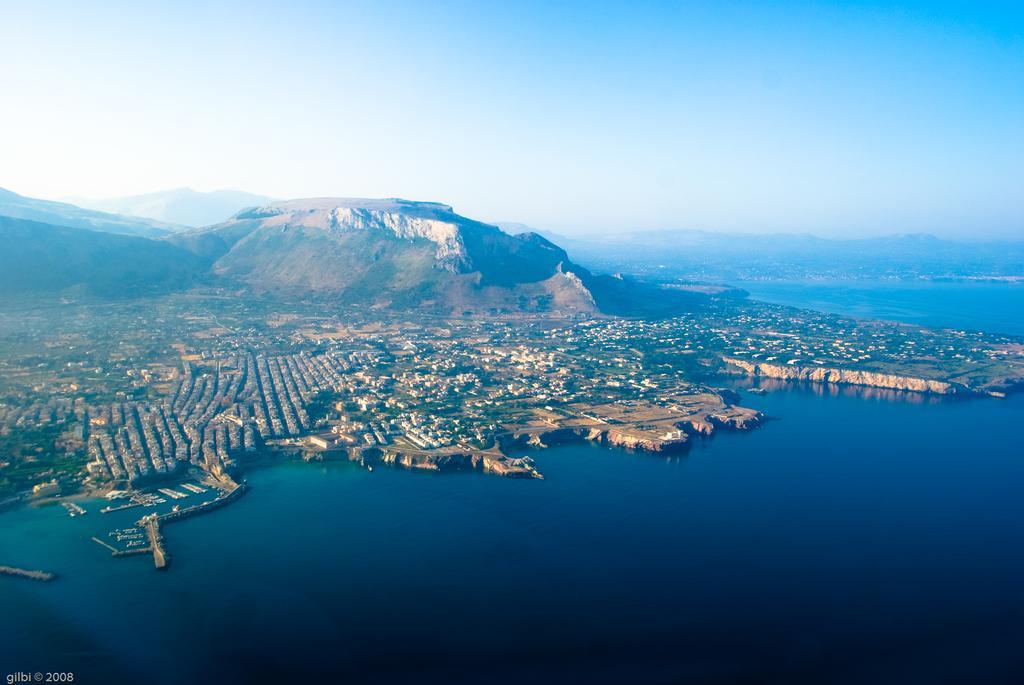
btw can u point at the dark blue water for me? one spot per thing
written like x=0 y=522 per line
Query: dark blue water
x=862 y=538
x=984 y=306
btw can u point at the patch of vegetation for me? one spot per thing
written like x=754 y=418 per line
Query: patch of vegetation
x=30 y=455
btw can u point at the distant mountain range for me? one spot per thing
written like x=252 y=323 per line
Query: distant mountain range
x=182 y=206
x=401 y=253
x=383 y=253
x=64 y=214
x=705 y=255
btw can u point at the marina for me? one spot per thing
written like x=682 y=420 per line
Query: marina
x=145 y=536
x=141 y=499
x=122 y=507
x=73 y=509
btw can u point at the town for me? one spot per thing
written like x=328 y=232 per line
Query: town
x=226 y=381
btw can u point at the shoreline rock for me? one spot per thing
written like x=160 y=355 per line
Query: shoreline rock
x=484 y=461
x=737 y=418
x=873 y=379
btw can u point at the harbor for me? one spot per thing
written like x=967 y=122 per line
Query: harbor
x=149 y=499
x=152 y=522
x=145 y=537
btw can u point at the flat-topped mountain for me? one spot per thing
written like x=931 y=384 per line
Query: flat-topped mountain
x=374 y=252
x=401 y=253
x=287 y=236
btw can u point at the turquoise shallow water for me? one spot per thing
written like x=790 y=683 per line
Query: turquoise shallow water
x=985 y=306
x=862 y=537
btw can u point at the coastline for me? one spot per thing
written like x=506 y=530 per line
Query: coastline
x=869 y=379
x=357 y=544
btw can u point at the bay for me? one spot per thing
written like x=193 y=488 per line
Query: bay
x=993 y=307
x=861 y=537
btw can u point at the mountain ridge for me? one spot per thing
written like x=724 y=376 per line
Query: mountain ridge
x=386 y=252
x=65 y=214
x=41 y=258
x=179 y=206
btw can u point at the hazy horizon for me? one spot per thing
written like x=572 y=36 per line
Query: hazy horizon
x=514 y=226
x=827 y=119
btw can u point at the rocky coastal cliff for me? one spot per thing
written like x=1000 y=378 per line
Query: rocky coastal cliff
x=735 y=418
x=486 y=461
x=844 y=376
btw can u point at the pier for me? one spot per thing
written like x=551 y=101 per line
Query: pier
x=43 y=576
x=130 y=505
x=73 y=509
x=151 y=524
x=113 y=549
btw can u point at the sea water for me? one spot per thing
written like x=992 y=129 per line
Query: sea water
x=859 y=537
x=994 y=307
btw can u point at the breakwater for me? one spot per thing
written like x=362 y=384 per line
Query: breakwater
x=236 y=491
x=43 y=576
x=151 y=524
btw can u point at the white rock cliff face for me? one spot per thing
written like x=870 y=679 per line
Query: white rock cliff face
x=577 y=284
x=844 y=376
x=427 y=221
x=451 y=252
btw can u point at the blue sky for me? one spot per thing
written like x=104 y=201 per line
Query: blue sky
x=831 y=118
